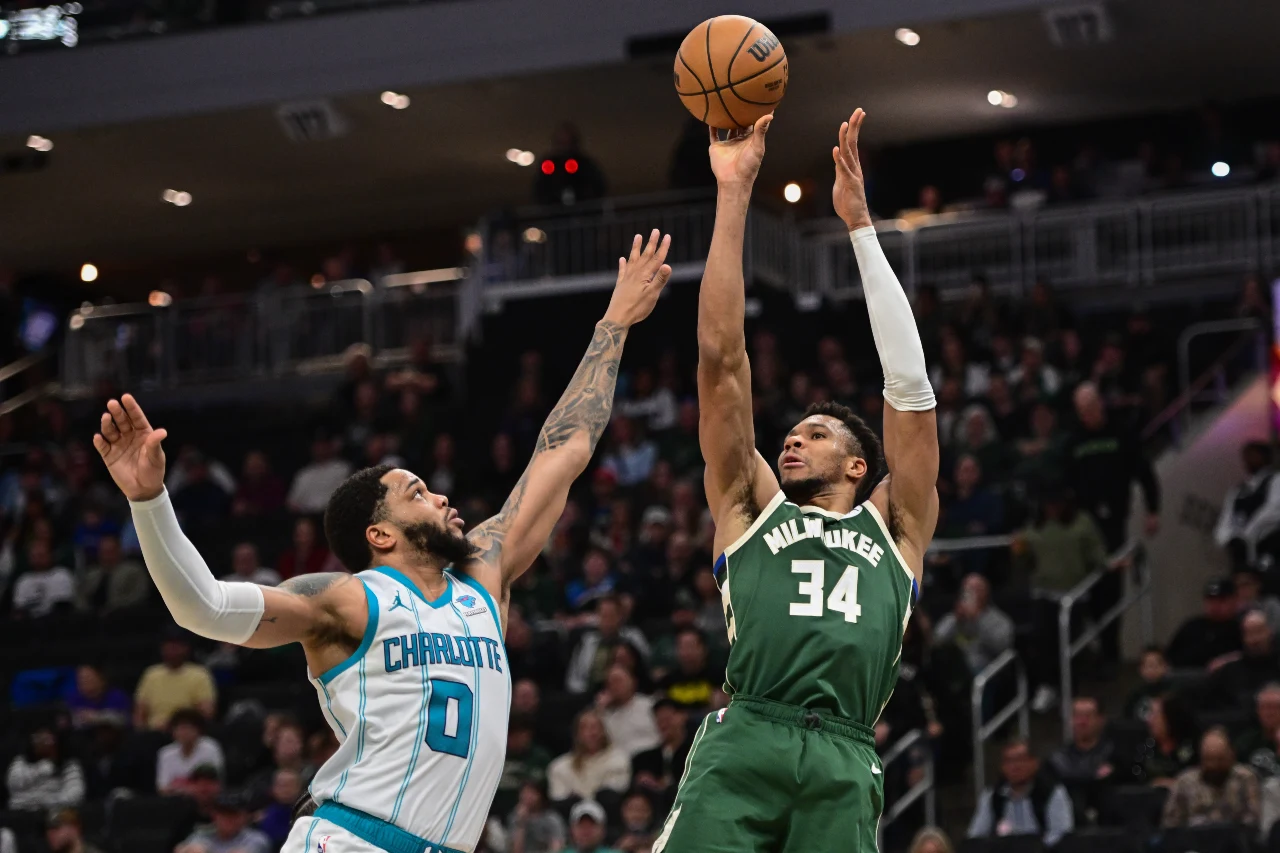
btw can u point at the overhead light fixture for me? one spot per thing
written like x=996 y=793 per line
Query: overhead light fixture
x=513 y=154
x=520 y=157
x=178 y=198
x=1001 y=98
x=39 y=143
x=791 y=192
x=395 y=100
x=1220 y=169
x=159 y=299
x=907 y=36
x=88 y=272
x=535 y=235
x=317 y=281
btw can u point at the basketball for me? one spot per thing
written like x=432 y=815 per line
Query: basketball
x=730 y=71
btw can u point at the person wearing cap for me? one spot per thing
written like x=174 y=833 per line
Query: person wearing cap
x=659 y=769
x=172 y=684
x=587 y=826
x=63 y=833
x=1215 y=632
x=230 y=832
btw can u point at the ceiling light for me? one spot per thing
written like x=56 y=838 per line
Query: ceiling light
x=535 y=235
x=1220 y=169
x=999 y=98
x=159 y=299
x=994 y=96
x=317 y=281
x=791 y=192
x=526 y=158
x=178 y=198
x=39 y=143
x=88 y=272
x=907 y=36
x=401 y=102
x=389 y=97
x=513 y=154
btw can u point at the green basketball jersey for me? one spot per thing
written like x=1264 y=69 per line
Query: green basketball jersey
x=816 y=604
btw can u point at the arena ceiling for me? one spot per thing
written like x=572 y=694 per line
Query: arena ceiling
x=442 y=159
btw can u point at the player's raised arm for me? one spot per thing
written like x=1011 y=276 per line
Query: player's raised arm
x=909 y=498
x=319 y=607
x=508 y=542
x=737 y=477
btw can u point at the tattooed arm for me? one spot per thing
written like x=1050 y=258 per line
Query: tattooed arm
x=321 y=610
x=508 y=543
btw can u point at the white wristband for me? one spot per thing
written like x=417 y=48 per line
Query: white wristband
x=906 y=377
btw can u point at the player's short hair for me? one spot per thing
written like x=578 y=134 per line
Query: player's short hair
x=356 y=504
x=864 y=441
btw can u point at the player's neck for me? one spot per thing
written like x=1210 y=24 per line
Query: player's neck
x=830 y=498
x=427 y=574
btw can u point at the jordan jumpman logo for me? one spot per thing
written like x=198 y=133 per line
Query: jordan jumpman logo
x=397 y=603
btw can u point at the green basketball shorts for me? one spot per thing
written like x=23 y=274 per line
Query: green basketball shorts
x=764 y=777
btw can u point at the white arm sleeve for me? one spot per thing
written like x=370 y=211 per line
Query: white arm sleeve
x=906 y=379
x=228 y=612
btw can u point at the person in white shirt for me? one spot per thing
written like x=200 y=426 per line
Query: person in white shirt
x=655 y=406
x=1251 y=511
x=190 y=749
x=246 y=567
x=627 y=715
x=43 y=586
x=314 y=484
x=43 y=778
x=592 y=765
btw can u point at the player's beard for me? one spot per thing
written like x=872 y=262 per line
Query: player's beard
x=800 y=492
x=440 y=541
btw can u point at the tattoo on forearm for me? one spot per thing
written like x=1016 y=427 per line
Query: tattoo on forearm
x=266 y=620
x=311 y=585
x=584 y=408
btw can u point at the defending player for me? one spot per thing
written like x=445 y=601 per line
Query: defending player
x=817 y=577
x=406 y=654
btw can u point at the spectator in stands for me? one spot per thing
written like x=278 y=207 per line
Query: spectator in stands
x=92 y=701
x=189 y=459
x=1210 y=635
x=261 y=492
x=692 y=682
x=43 y=587
x=191 y=748
x=1063 y=546
x=63 y=833
x=90 y=530
x=974 y=377
x=526 y=762
x=1023 y=801
x=230 y=832
x=1218 y=791
x=589 y=660
x=1033 y=378
x=1250 y=519
x=626 y=714
x=1249 y=596
x=1040 y=458
x=587 y=828
x=443 y=478
x=1087 y=760
x=1170 y=747
x=639 y=828
x=679 y=446
x=112 y=583
x=632 y=456
x=979 y=628
x=247 y=568
x=597 y=581
x=568 y=175
x=1256 y=747
x=659 y=769
x=44 y=777
x=535 y=827
x=655 y=405
x=173 y=684
x=591 y=766
x=1239 y=676
x=306 y=556
x=200 y=502
x=315 y=482
x=276 y=819
x=288 y=752
x=1104 y=461
x=1154 y=671
x=930 y=839
x=973 y=509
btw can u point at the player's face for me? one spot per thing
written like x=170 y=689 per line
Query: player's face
x=426 y=520
x=815 y=455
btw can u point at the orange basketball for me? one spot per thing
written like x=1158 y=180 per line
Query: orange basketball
x=730 y=71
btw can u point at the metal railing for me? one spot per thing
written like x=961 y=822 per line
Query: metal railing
x=983 y=731
x=268 y=333
x=1068 y=649
x=1134 y=244
x=923 y=789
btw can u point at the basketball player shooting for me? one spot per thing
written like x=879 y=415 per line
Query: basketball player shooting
x=819 y=566
x=406 y=653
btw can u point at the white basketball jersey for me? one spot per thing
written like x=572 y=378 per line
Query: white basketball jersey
x=420 y=711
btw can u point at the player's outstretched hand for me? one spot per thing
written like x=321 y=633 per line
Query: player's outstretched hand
x=641 y=278
x=849 y=195
x=131 y=449
x=736 y=159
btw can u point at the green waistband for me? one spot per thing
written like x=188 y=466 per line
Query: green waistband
x=376 y=831
x=803 y=718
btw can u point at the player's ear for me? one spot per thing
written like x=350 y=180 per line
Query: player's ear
x=381 y=536
x=855 y=467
